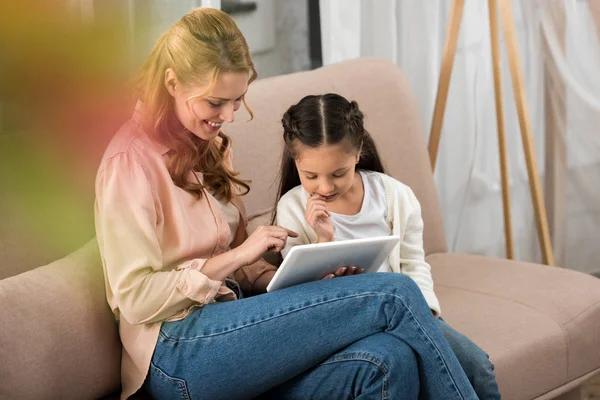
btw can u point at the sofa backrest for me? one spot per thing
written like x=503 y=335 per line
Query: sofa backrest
x=391 y=117
x=46 y=206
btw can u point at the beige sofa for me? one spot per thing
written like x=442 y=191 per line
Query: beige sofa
x=541 y=325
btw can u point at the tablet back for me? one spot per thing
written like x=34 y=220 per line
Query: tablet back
x=311 y=262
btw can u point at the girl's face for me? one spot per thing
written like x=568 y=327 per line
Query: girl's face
x=327 y=170
x=203 y=113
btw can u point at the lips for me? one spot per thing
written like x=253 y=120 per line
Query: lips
x=213 y=126
x=330 y=197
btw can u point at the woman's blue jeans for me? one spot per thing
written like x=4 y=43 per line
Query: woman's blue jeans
x=368 y=336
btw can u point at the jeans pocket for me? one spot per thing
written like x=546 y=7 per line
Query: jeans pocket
x=163 y=386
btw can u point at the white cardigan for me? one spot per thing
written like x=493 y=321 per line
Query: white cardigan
x=403 y=217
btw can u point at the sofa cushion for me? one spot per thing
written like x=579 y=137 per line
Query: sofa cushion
x=58 y=338
x=539 y=324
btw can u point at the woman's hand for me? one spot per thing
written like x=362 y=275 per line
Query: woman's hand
x=345 y=271
x=318 y=217
x=263 y=239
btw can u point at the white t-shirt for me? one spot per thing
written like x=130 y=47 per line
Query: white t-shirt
x=370 y=220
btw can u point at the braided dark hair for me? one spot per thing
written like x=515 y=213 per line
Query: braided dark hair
x=324 y=119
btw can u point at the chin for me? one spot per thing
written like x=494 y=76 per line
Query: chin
x=206 y=135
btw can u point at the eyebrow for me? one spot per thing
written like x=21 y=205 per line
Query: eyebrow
x=224 y=99
x=337 y=171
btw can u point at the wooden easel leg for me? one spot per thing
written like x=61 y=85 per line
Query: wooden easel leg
x=595 y=13
x=510 y=36
x=556 y=168
x=444 y=81
x=497 y=69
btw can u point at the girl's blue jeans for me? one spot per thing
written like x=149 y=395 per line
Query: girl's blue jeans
x=368 y=336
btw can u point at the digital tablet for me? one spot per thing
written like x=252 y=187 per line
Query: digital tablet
x=311 y=262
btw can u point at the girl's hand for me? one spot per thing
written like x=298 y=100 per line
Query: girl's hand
x=263 y=239
x=318 y=217
x=345 y=271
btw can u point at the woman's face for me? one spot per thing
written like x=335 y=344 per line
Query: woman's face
x=203 y=113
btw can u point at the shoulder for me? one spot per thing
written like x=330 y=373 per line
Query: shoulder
x=295 y=199
x=131 y=143
x=390 y=183
x=397 y=189
x=131 y=154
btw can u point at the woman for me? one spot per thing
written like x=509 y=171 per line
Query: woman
x=179 y=263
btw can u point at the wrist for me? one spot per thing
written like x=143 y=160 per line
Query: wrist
x=323 y=239
x=237 y=258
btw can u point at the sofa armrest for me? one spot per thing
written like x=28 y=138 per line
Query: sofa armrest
x=58 y=337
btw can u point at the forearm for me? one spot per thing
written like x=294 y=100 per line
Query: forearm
x=220 y=267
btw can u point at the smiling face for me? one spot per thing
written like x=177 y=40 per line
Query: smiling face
x=203 y=109
x=326 y=170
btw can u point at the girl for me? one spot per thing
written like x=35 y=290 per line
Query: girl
x=178 y=262
x=333 y=187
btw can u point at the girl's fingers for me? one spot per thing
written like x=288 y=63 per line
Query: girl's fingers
x=312 y=202
x=345 y=271
x=322 y=208
x=320 y=204
x=319 y=211
x=321 y=214
x=340 y=271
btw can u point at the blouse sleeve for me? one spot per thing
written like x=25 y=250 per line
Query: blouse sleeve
x=143 y=289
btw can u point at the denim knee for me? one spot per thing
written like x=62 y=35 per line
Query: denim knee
x=382 y=361
x=390 y=282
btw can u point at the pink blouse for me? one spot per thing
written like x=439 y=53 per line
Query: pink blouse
x=154 y=238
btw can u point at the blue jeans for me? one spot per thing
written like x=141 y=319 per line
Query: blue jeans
x=369 y=336
x=475 y=362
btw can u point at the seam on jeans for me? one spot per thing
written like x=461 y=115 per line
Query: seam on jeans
x=366 y=358
x=358 y=357
x=274 y=316
x=432 y=343
x=181 y=383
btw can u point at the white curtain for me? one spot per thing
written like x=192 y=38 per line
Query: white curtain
x=411 y=33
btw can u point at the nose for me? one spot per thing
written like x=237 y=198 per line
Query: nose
x=227 y=112
x=326 y=186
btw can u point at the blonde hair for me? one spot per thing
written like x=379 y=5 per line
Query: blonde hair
x=202 y=45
